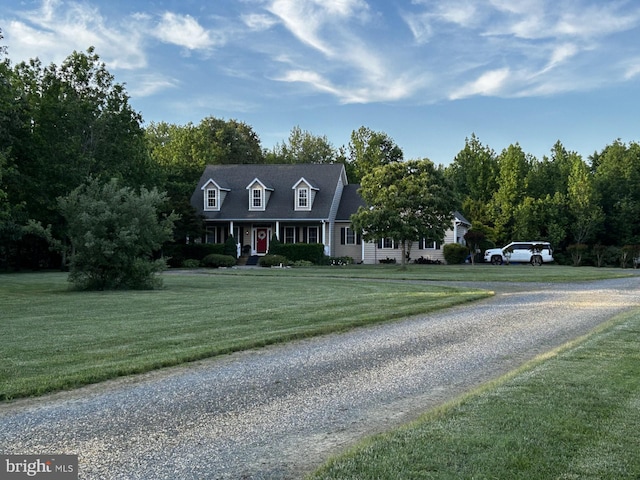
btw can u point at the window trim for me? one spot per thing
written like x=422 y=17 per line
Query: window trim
x=317 y=234
x=299 y=198
x=253 y=199
x=208 y=198
x=290 y=238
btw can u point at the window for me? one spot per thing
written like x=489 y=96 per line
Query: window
x=289 y=235
x=312 y=235
x=303 y=198
x=212 y=199
x=212 y=234
x=426 y=244
x=386 y=243
x=349 y=237
x=256 y=198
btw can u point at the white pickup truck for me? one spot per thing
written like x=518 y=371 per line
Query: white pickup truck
x=535 y=253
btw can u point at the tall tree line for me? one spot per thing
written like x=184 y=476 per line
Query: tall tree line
x=561 y=198
x=63 y=125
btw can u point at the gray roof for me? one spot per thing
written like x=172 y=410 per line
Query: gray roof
x=349 y=203
x=460 y=218
x=281 y=178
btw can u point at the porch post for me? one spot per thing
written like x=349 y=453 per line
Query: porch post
x=278 y=229
x=327 y=251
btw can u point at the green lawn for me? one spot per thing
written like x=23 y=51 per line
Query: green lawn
x=444 y=273
x=574 y=414
x=52 y=338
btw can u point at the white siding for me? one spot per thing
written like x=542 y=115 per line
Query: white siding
x=373 y=254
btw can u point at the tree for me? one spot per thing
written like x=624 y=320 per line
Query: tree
x=368 y=150
x=67 y=122
x=475 y=238
x=513 y=168
x=405 y=201
x=303 y=147
x=114 y=233
x=3 y=48
x=617 y=182
x=584 y=208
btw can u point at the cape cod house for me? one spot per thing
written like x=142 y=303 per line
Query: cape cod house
x=304 y=203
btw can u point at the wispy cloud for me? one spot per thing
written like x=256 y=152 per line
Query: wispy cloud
x=529 y=47
x=149 y=84
x=56 y=28
x=185 y=31
x=342 y=60
x=489 y=83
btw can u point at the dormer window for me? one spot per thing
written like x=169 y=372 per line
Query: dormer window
x=214 y=195
x=303 y=198
x=212 y=199
x=257 y=199
x=305 y=193
x=259 y=195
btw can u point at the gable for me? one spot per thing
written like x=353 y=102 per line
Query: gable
x=213 y=194
x=304 y=194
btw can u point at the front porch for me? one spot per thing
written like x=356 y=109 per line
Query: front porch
x=254 y=238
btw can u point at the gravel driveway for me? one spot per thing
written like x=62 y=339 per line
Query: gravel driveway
x=278 y=412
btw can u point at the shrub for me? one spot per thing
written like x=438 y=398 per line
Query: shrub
x=114 y=232
x=230 y=247
x=339 y=261
x=191 y=263
x=454 y=253
x=177 y=253
x=312 y=252
x=216 y=260
x=388 y=260
x=271 y=260
x=577 y=250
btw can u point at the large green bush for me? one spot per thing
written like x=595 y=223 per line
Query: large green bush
x=115 y=232
x=454 y=253
x=271 y=260
x=312 y=252
x=216 y=260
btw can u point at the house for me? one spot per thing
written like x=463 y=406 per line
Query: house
x=298 y=203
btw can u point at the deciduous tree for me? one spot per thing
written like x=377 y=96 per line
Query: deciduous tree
x=368 y=150
x=405 y=201
x=303 y=147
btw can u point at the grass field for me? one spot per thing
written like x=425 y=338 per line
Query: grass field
x=444 y=273
x=574 y=414
x=52 y=338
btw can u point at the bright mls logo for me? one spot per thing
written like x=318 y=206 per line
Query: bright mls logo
x=50 y=467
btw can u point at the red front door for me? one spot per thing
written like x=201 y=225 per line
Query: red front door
x=262 y=240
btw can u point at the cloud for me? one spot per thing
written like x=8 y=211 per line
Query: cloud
x=632 y=70
x=489 y=83
x=258 y=22
x=344 y=61
x=54 y=30
x=184 y=31
x=147 y=85
x=308 y=20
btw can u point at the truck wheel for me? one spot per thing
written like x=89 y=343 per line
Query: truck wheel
x=496 y=260
x=536 y=260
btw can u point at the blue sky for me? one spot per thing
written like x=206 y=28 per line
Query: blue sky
x=427 y=73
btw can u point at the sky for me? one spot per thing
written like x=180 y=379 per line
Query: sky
x=427 y=73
